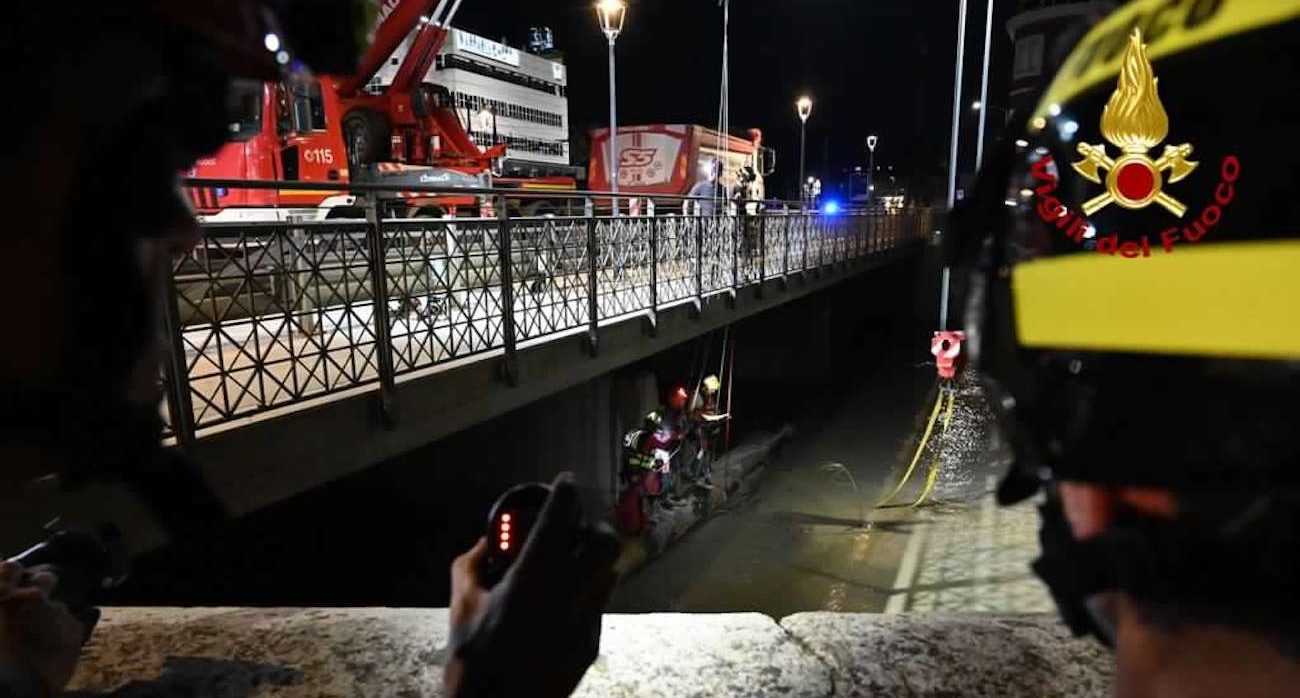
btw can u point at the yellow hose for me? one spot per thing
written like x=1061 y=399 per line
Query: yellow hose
x=933 y=475
x=920 y=448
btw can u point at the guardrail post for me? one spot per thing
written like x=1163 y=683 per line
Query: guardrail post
x=762 y=253
x=803 y=267
x=387 y=406
x=785 y=251
x=593 y=308
x=877 y=243
x=654 y=276
x=821 y=245
x=859 y=234
x=506 y=259
x=180 y=408
x=736 y=223
x=699 y=264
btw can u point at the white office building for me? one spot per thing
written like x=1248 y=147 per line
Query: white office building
x=504 y=95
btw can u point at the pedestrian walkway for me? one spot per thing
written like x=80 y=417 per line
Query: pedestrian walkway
x=969 y=557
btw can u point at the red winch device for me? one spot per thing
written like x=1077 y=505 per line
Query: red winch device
x=946 y=347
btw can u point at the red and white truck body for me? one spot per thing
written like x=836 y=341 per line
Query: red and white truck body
x=669 y=159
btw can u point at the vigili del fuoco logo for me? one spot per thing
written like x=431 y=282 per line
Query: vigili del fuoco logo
x=1135 y=122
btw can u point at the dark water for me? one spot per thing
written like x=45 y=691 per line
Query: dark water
x=386 y=536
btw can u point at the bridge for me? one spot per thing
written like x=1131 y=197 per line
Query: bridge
x=343 y=342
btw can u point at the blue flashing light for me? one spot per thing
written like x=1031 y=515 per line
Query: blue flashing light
x=831 y=207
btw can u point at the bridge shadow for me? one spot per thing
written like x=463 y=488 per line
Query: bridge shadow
x=203 y=676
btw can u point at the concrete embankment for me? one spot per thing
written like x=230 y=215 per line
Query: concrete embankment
x=376 y=652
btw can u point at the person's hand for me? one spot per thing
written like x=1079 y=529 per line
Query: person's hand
x=536 y=632
x=37 y=632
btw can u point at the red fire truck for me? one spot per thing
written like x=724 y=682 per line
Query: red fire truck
x=332 y=129
x=669 y=159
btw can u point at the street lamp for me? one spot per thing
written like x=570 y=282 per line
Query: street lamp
x=871 y=165
x=612 y=13
x=804 y=108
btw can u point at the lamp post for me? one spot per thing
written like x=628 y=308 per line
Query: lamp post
x=611 y=14
x=952 y=152
x=983 y=108
x=984 y=85
x=804 y=108
x=871 y=166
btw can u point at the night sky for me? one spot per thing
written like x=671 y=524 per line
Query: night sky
x=872 y=66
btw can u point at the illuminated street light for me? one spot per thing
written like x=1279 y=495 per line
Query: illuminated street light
x=872 y=140
x=612 y=14
x=976 y=105
x=803 y=108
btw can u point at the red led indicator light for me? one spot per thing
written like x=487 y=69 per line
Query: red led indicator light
x=505 y=518
x=505 y=545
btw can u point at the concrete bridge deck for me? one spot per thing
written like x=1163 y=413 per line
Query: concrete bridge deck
x=288 y=373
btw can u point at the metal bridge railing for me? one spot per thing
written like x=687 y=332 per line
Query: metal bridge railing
x=268 y=315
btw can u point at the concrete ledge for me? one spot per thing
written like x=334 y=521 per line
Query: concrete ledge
x=225 y=652
x=922 y=654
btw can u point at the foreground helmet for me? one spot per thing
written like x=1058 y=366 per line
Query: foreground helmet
x=1133 y=301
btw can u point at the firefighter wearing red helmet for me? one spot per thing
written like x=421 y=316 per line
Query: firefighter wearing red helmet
x=118 y=98
x=1133 y=308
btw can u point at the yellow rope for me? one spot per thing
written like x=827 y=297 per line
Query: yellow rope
x=920 y=448
x=933 y=475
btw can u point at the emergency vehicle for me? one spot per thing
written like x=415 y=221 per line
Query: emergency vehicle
x=340 y=129
x=669 y=159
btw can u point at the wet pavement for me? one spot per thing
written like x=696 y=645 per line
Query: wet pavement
x=808 y=538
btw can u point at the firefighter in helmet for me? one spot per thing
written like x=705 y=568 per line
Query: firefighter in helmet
x=705 y=422
x=1128 y=270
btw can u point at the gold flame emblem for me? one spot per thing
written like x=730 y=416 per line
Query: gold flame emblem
x=1135 y=121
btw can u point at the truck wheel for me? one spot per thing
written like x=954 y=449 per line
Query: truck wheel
x=366 y=136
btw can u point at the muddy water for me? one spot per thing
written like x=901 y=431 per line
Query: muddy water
x=794 y=543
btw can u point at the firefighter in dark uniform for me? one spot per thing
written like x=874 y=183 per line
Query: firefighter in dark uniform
x=1128 y=270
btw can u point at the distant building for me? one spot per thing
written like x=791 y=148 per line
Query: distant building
x=506 y=94
x=1037 y=28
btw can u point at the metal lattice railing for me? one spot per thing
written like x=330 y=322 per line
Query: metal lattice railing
x=265 y=316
